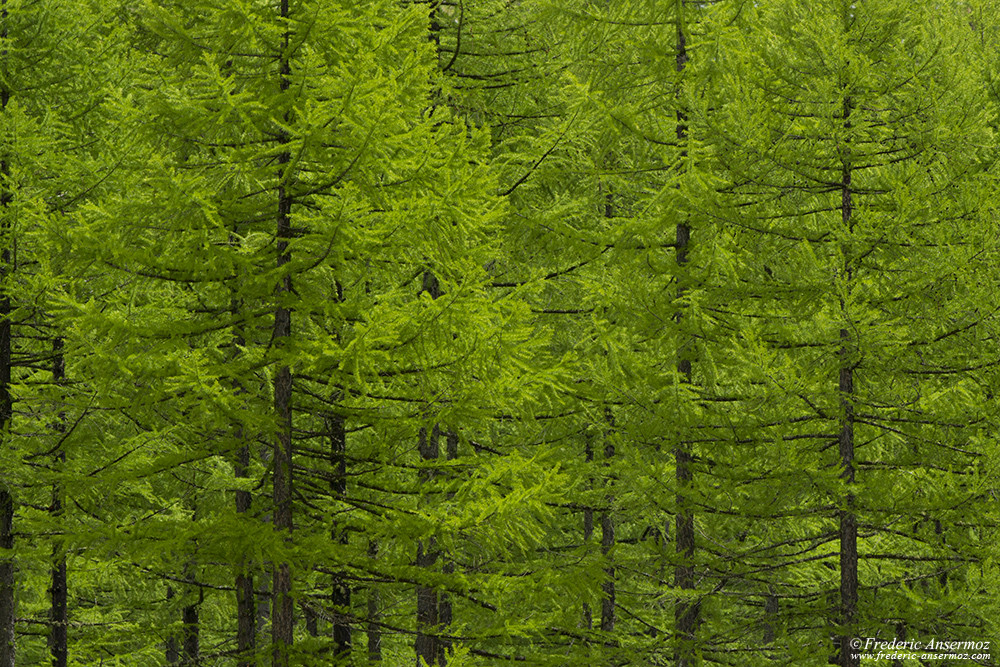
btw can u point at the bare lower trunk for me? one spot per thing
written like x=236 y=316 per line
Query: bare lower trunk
x=687 y=611
x=426 y=644
x=58 y=638
x=847 y=517
x=340 y=594
x=246 y=632
x=445 y=609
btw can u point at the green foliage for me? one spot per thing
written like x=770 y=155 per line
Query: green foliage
x=602 y=315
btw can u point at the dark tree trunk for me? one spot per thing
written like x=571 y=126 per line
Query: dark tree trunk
x=687 y=611
x=246 y=634
x=426 y=645
x=770 y=617
x=340 y=595
x=58 y=639
x=847 y=516
x=608 y=538
x=445 y=609
x=282 y=619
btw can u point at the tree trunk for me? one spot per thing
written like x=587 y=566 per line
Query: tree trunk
x=608 y=537
x=282 y=621
x=770 y=617
x=848 y=519
x=340 y=595
x=687 y=611
x=58 y=639
x=246 y=633
x=445 y=609
x=427 y=599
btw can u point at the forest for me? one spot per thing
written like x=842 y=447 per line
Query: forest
x=580 y=333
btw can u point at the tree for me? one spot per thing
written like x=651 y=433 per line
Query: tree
x=855 y=192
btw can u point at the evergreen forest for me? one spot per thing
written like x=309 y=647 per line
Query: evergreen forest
x=560 y=333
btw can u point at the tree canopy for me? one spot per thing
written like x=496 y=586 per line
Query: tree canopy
x=541 y=332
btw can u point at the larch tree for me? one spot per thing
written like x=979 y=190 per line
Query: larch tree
x=292 y=195
x=854 y=155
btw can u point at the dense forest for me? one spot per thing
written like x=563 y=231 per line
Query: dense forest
x=498 y=332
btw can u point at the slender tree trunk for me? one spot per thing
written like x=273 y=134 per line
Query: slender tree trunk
x=770 y=617
x=58 y=639
x=588 y=527
x=340 y=595
x=445 y=609
x=687 y=612
x=6 y=399
x=608 y=536
x=848 y=519
x=282 y=621
x=190 y=621
x=246 y=635
x=373 y=630
x=427 y=599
